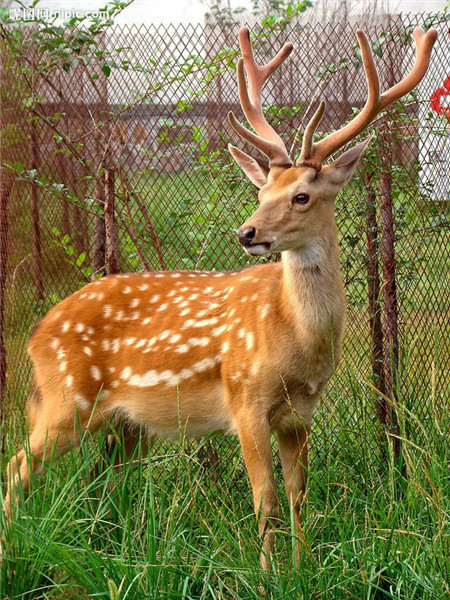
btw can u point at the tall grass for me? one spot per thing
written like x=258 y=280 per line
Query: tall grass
x=167 y=527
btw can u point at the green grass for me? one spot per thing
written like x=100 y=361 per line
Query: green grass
x=173 y=526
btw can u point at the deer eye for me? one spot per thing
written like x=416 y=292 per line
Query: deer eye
x=300 y=199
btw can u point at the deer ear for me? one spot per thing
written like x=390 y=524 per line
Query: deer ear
x=341 y=170
x=256 y=170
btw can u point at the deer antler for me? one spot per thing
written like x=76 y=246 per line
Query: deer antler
x=266 y=139
x=314 y=154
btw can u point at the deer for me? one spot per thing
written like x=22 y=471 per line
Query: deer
x=247 y=352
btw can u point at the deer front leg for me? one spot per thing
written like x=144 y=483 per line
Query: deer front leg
x=254 y=436
x=293 y=447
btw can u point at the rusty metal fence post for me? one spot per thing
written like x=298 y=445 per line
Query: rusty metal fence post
x=6 y=184
x=112 y=242
x=37 y=245
x=374 y=301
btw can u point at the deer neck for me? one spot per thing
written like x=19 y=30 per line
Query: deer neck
x=313 y=295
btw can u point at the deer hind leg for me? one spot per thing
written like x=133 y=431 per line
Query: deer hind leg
x=54 y=429
x=124 y=444
x=293 y=447
x=254 y=436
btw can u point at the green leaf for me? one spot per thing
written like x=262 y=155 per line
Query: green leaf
x=80 y=260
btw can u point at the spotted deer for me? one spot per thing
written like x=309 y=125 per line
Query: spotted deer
x=247 y=352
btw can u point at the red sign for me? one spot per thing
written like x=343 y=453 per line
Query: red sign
x=438 y=100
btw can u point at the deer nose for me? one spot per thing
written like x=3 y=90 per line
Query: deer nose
x=246 y=236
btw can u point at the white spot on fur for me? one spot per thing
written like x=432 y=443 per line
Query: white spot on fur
x=255 y=368
x=154 y=298
x=65 y=326
x=105 y=345
x=63 y=366
x=126 y=373
x=79 y=327
x=87 y=350
x=161 y=308
x=203 y=341
x=115 y=344
x=143 y=287
x=175 y=338
x=206 y=322
x=225 y=347
x=95 y=372
x=82 y=402
x=182 y=349
x=107 y=311
x=127 y=289
x=218 y=330
x=134 y=303
x=186 y=373
x=54 y=343
x=264 y=311
x=185 y=312
x=69 y=380
x=146 y=321
x=205 y=364
x=241 y=332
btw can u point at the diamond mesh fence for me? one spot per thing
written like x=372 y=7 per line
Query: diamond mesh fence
x=113 y=158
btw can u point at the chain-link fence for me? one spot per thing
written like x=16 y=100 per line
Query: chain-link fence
x=114 y=158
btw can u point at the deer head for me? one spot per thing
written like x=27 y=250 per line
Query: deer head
x=296 y=198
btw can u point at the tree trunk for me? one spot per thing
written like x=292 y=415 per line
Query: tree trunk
x=112 y=242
